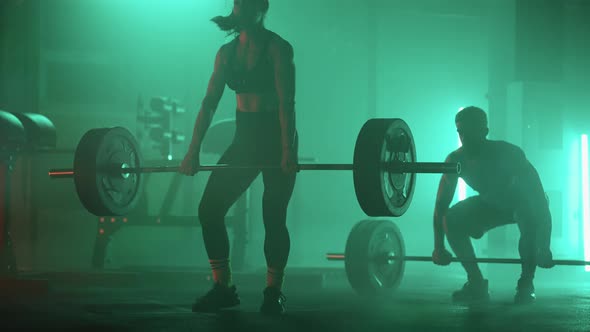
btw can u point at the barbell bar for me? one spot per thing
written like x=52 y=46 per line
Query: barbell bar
x=108 y=169
x=374 y=257
x=392 y=167
x=391 y=258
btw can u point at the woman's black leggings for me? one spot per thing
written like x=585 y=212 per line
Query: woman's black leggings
x=257 y=142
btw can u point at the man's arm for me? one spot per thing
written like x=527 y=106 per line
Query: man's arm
x=446 y=191
x=210 y=102
x=284 y=66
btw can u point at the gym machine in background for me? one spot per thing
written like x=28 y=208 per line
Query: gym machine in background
x=159 y=131
x=21 y=134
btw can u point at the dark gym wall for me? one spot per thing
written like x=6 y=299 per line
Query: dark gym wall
x=18 y=55
x=577 y=63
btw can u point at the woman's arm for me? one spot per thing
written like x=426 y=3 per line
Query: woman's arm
x=282 y=55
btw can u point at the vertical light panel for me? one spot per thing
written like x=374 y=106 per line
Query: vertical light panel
x=585 y=199
x=574 y=195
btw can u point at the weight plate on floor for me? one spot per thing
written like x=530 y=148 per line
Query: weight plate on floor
x=367 y=266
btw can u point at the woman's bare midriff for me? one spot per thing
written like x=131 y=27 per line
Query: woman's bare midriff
x=254 y=102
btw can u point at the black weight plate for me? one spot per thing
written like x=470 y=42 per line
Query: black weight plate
x=102 y=190
x=378 y=191
x=368 y=244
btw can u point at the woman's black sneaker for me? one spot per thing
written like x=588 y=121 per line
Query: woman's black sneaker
x=274 y=302
x=219 y=297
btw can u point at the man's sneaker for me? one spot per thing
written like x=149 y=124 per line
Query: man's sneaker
x=274 y=302
x=219 y=297
x=525 y=292
x=472 y=292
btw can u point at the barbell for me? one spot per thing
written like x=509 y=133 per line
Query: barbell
x=374 y=258
x=108 y=169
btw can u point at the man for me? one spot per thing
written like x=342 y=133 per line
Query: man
x=510 y=191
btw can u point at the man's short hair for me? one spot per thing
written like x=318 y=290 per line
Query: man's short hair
x=474 y=116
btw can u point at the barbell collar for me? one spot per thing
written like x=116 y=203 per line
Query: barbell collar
x=61 y=173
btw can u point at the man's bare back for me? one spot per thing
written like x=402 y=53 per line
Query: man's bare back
x=500 y=173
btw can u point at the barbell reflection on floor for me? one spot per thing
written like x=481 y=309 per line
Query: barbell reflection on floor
x=374 y=257
x=108 y=169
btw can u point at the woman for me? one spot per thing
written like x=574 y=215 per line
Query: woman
x=258 y=65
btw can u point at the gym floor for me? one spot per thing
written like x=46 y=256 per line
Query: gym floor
x=318 y=300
